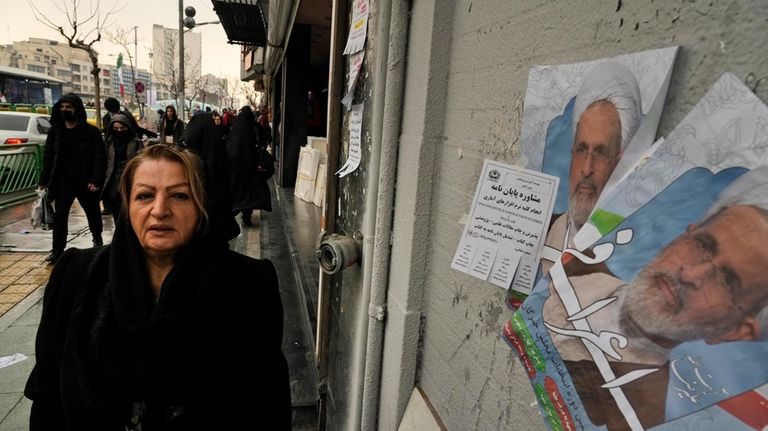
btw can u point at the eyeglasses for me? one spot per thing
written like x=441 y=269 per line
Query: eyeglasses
x=600 y=155
x=723 y=279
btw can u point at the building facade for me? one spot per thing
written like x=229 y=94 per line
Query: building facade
x=165 y=59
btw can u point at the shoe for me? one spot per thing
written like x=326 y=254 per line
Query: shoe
x=53 y=257
x=98 y=242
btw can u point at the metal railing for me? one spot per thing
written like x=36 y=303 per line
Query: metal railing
x=20 y=167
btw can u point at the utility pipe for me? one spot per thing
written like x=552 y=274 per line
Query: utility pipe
x=386 y=116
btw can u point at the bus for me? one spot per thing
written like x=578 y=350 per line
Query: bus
x=23 y=88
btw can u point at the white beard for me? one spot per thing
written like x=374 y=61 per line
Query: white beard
x=651 y=312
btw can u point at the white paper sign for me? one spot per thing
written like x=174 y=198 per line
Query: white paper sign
x=355 y=63
x=507 y=225
x=355 y=139
x=358 y=28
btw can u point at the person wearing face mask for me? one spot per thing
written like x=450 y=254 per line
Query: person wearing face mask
x=74 y=164
x=121 y=146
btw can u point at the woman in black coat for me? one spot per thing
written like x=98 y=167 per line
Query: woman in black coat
x=251 y=167
x=164 y=329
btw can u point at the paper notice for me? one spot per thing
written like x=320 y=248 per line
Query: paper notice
x=355 y=138
x=505 y=231
x=358 y=27
x=355 y=62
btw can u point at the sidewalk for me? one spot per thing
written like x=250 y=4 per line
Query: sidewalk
x=23 y=274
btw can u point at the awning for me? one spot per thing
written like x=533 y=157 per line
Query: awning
x=243 y=20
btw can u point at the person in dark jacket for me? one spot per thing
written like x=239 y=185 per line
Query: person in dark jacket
x=121 y=146
x=131 y=333
x=112 y=106
x=251 y=167
x=73 y=168
x=203 y=137
x=171 y=128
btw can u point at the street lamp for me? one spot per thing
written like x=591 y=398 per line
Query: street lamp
x=186 y=19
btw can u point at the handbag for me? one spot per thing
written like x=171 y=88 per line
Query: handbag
x=265 y=164
x=42 y=211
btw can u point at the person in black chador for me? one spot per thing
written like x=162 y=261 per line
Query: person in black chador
x=73 y=167
x=203 y=137
x=130 y=332
x=251 y=167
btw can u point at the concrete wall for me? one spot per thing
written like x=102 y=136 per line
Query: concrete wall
x=465 y=82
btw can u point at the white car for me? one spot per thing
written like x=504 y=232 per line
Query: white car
x=23 y=128
x=17 y=157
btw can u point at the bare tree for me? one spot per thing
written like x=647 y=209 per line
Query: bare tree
x=249 y=92
x=197 y=84
x=81 y=33
x=122 y=36
x=170 y=79
x=231 y=89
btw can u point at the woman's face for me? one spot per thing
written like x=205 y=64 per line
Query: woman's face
x=217 y=120
x=161 y=209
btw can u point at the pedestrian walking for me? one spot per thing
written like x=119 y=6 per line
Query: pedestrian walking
x=131 y=334
x=122 y=144
x=203 y=137
x=73 y=168
x=171 y=128
x=250 y=168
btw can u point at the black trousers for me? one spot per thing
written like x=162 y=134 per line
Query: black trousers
x=62 y=204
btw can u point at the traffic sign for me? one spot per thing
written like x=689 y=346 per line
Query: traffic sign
x=139 y=87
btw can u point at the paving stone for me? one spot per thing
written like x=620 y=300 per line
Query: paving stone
x=32 y=316
x=17 y=339
x=11 y=297
x=18 y=418
x=24 y=289
x=14 y=377
x=7 y=403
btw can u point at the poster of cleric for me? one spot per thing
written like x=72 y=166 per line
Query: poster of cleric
x=653 y=308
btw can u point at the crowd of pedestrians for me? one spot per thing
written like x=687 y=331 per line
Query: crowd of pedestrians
x=80 y=162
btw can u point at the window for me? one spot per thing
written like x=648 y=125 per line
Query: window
x=53 y=61
x=105 y=72
x=75 y=78
x=33 y=68
x=43 y=124
x=75 y=67
x=37 y=58
x=38 y=49
x=13 y=122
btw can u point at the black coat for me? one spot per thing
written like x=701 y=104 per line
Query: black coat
x=89 y=148
x=251 y=167
x=207 y=355
x=204 y=138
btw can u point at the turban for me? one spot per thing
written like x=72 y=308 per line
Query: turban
x=616 y=84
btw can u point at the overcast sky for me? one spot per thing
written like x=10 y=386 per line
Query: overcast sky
x=17 y=23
